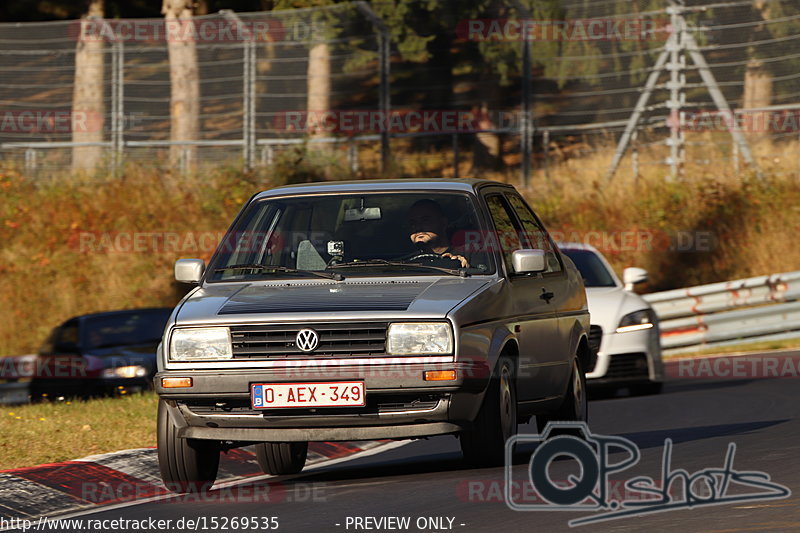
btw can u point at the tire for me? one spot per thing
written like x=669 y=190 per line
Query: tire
x=281 y=458
x=645 y=389
x=186 y=464
x=485 y=443
x=575 y=407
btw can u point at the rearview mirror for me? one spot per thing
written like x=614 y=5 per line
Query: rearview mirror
x=527 y=260
x=364 y=213
x=189 y=270
x=632 y=276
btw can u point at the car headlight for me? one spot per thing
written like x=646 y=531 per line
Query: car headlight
x=190 y=344
x=638 y=320
x=131 y=371
x=419 y=338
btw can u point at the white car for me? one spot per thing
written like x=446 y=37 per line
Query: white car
x=624 y=328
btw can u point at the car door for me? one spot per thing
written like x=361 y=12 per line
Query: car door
x=533 y=315
x=554 y=280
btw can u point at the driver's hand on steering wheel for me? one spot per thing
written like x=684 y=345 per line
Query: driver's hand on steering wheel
x=460 y=258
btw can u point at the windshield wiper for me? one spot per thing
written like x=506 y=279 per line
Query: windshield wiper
x=383 y=262
x=277 y=268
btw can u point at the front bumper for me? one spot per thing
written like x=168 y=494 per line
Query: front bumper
x=400 y=403
x=630 y=357
x=86 y=387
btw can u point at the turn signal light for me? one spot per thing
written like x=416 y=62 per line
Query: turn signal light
x=439 y=375
x=175 y=383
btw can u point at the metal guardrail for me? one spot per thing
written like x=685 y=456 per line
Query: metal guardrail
x=755 y=309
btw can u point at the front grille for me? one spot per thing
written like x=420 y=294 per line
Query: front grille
x=278 y=341
x=376 y=404
x=627 y=365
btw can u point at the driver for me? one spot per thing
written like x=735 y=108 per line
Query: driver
x=429 y=230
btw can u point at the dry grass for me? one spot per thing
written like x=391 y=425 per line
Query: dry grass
x=53 y=432
x=743 y=348
x=712 y=225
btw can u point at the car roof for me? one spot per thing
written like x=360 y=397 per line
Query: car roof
x=578 y=246
x=447 y=184
x=590 y=248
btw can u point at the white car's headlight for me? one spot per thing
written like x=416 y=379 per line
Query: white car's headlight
x=190 y=344
x=419 y=338
x=131 y=371
x=638 y=320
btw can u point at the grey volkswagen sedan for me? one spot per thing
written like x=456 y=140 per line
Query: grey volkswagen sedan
x=380 y=309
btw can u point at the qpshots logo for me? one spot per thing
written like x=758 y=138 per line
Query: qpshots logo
x=593 y=490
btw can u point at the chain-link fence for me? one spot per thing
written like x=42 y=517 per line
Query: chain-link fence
x=513 y=87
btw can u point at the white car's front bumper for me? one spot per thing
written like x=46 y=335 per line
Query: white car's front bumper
x=633 y=356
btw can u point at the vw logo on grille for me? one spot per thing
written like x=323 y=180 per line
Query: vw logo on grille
x=307 y=340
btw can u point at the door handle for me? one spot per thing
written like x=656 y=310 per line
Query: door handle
x=546 y=295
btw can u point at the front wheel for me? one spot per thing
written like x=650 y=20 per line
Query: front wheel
x=485 y=443
x=185 y=464
x=575 y=407
x=281 y=458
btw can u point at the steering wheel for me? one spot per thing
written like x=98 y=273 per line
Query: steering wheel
x=432 y=259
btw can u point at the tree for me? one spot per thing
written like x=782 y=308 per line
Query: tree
x=87 y=96
x=183 y=75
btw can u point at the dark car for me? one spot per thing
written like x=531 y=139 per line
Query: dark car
x=100 y=354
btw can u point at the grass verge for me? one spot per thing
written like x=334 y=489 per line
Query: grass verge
x=743 y=348
x=60 y=431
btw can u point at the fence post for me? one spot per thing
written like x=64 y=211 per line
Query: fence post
x=249 y=52
x=455 y=155
x=117 y=104
x=352 y=155
x=526 y=124
x=30 y=161
x=546 y=148
x=384 y=65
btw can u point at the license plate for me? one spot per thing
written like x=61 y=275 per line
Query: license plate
x=283 y=395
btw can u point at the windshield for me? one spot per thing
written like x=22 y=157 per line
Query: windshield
x=354 y=234
x=592 y=269
x=125 y=329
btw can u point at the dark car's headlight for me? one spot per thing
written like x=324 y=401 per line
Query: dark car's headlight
x=638 y=320
x=191 y=344
x=418 y=338
x=128 y=372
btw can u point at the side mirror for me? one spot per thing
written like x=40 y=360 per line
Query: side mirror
x=632 y=276
x=526 y=260
x=189 y=270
